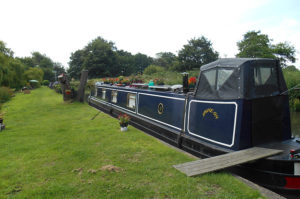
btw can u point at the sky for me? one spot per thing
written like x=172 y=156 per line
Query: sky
x=59 y=27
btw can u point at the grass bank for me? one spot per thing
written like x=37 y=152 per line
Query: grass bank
x=51 y=149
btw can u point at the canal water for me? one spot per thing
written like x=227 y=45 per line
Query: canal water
x=295 y=122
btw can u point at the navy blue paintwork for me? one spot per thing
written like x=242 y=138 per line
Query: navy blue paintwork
x=172 y=111
x=221 y=131
x=214 y=121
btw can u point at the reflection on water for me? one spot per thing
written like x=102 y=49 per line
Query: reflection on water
x=295 y=122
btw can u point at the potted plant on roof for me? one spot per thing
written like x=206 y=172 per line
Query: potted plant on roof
x=124 y=120
x=192 y=82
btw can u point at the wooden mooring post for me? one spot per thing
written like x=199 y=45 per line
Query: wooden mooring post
x=83 y=79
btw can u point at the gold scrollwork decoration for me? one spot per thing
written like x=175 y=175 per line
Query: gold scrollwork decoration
x=211 y=111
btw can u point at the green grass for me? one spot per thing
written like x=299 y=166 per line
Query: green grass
x=46 y=140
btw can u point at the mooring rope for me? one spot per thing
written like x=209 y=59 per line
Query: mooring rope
x=290 y=89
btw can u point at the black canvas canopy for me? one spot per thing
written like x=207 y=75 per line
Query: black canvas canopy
x=240 y=78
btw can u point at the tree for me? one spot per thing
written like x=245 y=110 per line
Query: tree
x=6 y=51
x=257 y=45
x=27 y=61
x=45 y=63
x=196 y=53
x=254 y=45
x=3 y=67
x=291 y=68
x=165 y=59
x=34 y=73
x=284 y=52
x=141 y=61
x=76 y=64
x=17 y=70
x=99 y=58
x=41 y=60
x=125 y=62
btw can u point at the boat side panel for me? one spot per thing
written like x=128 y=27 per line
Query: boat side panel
x=216 y=122
x=164 y=109
x=122 y=98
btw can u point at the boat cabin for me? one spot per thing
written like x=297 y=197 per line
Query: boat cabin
x=250 y=94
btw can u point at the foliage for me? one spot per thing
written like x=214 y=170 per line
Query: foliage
x=141 y=61
x=57 y=88
x=284 y=52
x=165 y=59
x=292 y=79
x=159 y=81
x=297 y=104
x=11 y=72
x=46 y=82
x=102 y=59
x=62 y=157
x=257 y=45
x=196 y=53
x=15 y=72
x=5 y=94
x=124 y=119
x=291 y=68
x=34 y=74
x=38 y=60
x=4 y=50
x=153 y=69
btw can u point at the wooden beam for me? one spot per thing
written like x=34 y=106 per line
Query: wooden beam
x=202 y=166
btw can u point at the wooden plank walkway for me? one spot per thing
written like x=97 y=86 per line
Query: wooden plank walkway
x=202 y=166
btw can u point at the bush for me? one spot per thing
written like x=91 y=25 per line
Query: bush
x=5 y=94
x=45 y=82
x=57 y=88
x=292 y=79
x=35 y=84
x=297 y=105
x=153 y=69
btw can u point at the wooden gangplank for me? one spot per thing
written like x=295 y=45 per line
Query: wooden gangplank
x=202 y=166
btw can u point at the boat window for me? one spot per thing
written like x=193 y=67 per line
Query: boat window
x=218 y=83
x=223 y=76
x=131 y=99
x=103 y=94
x=265 y=80
x=114 y=95
x=264 y=75
x=210 y=77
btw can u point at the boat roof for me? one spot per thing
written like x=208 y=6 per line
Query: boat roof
x=231 y=62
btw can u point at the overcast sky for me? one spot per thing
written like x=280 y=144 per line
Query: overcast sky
x=58 y=27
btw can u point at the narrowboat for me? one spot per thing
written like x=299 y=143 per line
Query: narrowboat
x=237 y=103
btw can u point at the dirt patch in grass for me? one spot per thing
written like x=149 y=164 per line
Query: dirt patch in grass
x=111 y=168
